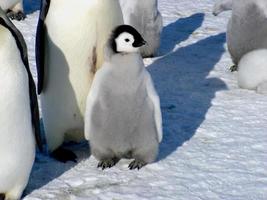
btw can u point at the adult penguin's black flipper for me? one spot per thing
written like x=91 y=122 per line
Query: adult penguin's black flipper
x=40 y=44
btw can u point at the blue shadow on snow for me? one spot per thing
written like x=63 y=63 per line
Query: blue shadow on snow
x=179 y=31
x=185 y=91
x=31 y=6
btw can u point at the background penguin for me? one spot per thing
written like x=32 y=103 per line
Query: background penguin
x=19 y=115
x=246 y=37
x=252 y=71
x=123 y=116
x=70 y=45
x=13 y=8
x=145 y=17
x=221 y=6
x=247 y=15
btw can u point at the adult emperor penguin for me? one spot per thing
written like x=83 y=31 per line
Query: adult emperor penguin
x=123 y=116
x=70 y=46
x=19 y=115
x=145 y=17
x=13 y=8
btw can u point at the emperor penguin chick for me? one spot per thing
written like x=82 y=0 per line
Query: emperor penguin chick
x=146 y=18
x=19 y=114
x=247 y=28
x=13 y=8
x=123 y=116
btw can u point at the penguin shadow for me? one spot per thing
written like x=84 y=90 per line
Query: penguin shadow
x=186 y=92
x=45 y=168
x=30 y=6
x=179 y=31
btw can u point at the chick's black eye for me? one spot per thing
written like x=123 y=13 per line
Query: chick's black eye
x=127 y=40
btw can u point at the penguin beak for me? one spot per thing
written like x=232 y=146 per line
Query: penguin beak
x=139 y=44
x=144 y=42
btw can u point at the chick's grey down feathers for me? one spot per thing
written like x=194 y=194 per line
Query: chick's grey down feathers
x=123 y=117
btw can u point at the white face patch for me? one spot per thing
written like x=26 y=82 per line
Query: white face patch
x=125 y=42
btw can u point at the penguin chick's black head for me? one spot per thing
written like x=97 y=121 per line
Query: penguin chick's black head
x=126 y=39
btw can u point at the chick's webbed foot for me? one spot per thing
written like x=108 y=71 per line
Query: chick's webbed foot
x=107 y=163
x=137 y=164
x=234 y=68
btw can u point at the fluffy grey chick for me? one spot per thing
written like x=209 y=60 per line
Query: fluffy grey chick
x=247 y=28
x=123 y=116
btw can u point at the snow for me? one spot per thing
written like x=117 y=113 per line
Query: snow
x=214 y=144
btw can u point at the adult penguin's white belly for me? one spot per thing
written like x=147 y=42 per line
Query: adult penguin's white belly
x=17 y=145
x=74 y=44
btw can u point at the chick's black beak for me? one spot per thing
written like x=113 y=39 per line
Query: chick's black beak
x=143 y=42
x=140 y=43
